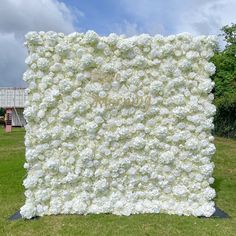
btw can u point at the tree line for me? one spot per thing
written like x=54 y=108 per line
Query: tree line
x=225 y=84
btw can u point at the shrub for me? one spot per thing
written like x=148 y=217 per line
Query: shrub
x=225 y=118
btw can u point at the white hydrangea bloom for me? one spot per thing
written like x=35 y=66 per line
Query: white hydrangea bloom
x=119 y=125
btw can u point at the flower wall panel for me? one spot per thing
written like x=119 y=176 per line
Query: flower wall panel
x=119 y=125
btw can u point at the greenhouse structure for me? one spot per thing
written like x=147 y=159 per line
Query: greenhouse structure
x=13 y=101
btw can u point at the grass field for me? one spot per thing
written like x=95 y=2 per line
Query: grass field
x=12 y=198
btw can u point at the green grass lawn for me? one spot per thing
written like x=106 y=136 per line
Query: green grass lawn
x=12 y=198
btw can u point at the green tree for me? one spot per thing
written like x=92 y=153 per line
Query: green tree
x=229 y=34
x=225 y=84
x=225 y=62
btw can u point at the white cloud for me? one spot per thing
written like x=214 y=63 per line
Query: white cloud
x=132 y=28
x=126 y=28
x=174 y=16
x=208 y=16
x=12 y=54
x=17 y=17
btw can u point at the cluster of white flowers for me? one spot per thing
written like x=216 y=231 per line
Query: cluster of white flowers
x=83 y=156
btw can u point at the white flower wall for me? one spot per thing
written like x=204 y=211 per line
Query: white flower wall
x=119 y=125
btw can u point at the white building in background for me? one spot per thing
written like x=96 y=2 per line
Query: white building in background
x=14 y=98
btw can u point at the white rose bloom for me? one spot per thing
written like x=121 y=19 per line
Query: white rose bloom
x=210 y=68
x=166 y=157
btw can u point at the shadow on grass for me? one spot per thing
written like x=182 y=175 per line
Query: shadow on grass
x=217 y=185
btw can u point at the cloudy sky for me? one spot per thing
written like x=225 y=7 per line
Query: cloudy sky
x=129 y=17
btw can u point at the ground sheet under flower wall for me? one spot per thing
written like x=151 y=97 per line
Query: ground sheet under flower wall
x=118 y=125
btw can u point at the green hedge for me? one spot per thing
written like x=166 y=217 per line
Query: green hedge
x=225 y=118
